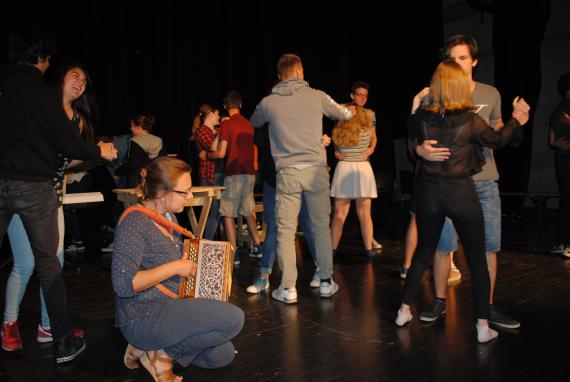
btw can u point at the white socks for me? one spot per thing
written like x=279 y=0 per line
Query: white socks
x=485 y=334
x=403 y=318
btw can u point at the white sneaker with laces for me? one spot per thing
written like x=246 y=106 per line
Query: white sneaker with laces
x=288 y=296
x=328 y=289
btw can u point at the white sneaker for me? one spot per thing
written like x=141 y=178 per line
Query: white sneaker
x=288 y=296
x=315 y=281
x=557 y=249
x=376 y=245
x=566 y=252
x=328 y=289
x=485 y=334
x=403 y=318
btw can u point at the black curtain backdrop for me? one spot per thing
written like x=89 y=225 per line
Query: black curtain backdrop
x=518 y=32
x=167 y=57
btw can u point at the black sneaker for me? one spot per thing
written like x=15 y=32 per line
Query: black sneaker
x=68 y=348
x=499 y=318
x=433 y=312
x=256 y=252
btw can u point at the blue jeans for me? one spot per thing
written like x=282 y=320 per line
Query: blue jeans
x=214 y=218
x=270 y=242
x=36 y=203
x=190 y=330
x=488 y=194
x=24 y=267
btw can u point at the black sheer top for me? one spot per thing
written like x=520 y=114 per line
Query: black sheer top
x=464 y=133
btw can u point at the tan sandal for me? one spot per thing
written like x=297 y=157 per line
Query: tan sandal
x=132 y=355
x=163 y=362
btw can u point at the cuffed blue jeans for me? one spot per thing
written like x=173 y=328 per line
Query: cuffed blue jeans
x=24 y=267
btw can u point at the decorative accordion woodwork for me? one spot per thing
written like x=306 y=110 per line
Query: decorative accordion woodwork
x=215 y=262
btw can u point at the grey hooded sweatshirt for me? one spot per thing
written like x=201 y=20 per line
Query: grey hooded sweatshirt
x=295 y=112
x=151 y=144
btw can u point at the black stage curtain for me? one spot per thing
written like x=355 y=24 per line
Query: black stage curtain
x=518 y=34
x=159 y=57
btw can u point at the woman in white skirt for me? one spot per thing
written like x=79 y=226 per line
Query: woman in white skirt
x=353 y=177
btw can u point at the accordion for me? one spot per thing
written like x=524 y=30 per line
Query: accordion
x=215 y=261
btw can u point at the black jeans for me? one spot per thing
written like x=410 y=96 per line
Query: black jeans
x=455 y=198
x=562 y=164
x=36 y=203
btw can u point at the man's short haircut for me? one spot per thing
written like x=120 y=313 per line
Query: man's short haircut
x=359 y=84
x=564 y=84
x=232 y=100
x=287 y=63
x=27 y=44
x=459 y=39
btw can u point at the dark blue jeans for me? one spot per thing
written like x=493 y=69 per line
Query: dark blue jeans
x=214 y=218
x=563 y=175
x=36 y=203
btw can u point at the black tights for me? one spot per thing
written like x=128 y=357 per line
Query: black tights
x=455 y=198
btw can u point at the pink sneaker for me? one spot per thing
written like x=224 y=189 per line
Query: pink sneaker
x=11 y=339
x=44 y=334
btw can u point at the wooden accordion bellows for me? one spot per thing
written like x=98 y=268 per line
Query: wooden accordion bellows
x=215 y=262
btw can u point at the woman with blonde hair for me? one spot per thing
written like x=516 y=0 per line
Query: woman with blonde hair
x=353 y=177
x=446 y=189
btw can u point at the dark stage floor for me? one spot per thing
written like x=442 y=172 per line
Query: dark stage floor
x=350 y=337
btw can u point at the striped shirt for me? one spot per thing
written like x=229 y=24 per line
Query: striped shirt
x=354 y=153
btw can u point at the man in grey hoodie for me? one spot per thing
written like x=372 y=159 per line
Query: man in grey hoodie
x=294 y=112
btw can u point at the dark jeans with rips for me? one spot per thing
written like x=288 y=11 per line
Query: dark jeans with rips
x=36 y=203
x=457 y=199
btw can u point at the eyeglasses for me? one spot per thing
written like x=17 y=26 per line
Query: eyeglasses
x=184 y=193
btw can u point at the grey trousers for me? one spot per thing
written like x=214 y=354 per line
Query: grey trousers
x=312 y=185
x=190 y=330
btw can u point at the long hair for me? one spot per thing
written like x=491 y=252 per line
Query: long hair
x=86 y=105
x=450 y=89
x=203 y=112
x=161 y=174
x=347 y=133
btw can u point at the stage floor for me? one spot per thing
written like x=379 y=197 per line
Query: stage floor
x=349 y=337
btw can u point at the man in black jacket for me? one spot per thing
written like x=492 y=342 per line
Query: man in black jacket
x=33 y=129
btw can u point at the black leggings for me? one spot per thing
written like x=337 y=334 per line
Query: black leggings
x=455 y=198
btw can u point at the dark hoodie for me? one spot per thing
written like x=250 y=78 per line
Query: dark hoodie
x=295 y=112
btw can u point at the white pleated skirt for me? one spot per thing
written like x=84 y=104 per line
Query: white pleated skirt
x=353 y=180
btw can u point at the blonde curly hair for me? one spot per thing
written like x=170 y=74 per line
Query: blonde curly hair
x=347 y=133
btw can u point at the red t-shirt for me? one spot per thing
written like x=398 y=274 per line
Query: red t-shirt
x=238 y=133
